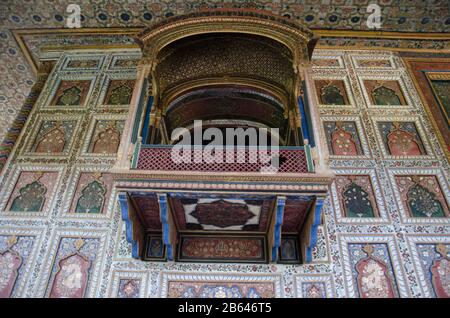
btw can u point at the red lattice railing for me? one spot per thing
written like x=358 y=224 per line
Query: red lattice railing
x=292 y=160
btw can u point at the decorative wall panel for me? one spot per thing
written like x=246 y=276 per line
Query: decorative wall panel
x=219 y=286
x=402 y=252
x=314 y=286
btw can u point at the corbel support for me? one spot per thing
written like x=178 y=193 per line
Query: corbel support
x=274 y=235
x=169 y=232
x=134 y=229
x=309 y=232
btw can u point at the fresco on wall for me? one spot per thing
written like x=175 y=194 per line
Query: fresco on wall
x=401 y=138
x=343 y=138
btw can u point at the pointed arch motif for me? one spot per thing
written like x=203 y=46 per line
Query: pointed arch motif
x=357 y=202
x=402 y=143
x=332 y=95
x=383 y=95
x=10 y=263
x=342 y=142
x=72 y=276
x=92 y=198
x=30 y=199
x=440 y=273
x=119 y=93
x=373 y=278
x=70 y=97
x=108 y=140
x=423 y=203
x=53 y=141
x=314 y=291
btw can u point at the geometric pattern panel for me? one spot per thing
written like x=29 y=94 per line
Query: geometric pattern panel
x=221 y=212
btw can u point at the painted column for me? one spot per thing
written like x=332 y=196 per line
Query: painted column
x=320 y=151
x=126 y=147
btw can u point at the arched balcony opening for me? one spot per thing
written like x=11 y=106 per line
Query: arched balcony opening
x=226 y=70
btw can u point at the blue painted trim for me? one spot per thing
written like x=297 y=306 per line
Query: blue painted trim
x=306 y=114
x=162 y=200
x=305 y=129
x=128 y=225
x=139 y=112
x=277 y=231
x=147 y=120
x=313 y=231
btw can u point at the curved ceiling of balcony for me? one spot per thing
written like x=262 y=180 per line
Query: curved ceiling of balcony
x=224 y=58
x=224 y=103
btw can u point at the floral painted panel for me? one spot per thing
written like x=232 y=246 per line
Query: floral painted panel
x=72 y=267
x=119 y=92
x=92 y=193
x=220 y=290
x=331 y=92
x=314 y=290
x=129 y=288
x=401 y=138
x=106 y=136
x=442 y=91
x=71 y=93
x=356 y=196
x=15 y=254
x=155 y=249
x=32 y=192
x=372 y=270
x=289 y=251
x=199 y=248
x=343 y=138
x=422 y=196
x=373 y=63
x=83 y=63
x=435 y=261
x=385 y=93
x=53 y=137
x=125 y=63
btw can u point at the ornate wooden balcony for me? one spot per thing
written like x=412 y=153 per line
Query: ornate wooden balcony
x=158 y=158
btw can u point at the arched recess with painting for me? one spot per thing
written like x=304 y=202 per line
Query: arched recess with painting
x=227 y=69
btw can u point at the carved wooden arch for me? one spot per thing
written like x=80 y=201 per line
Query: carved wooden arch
x=293 y=35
